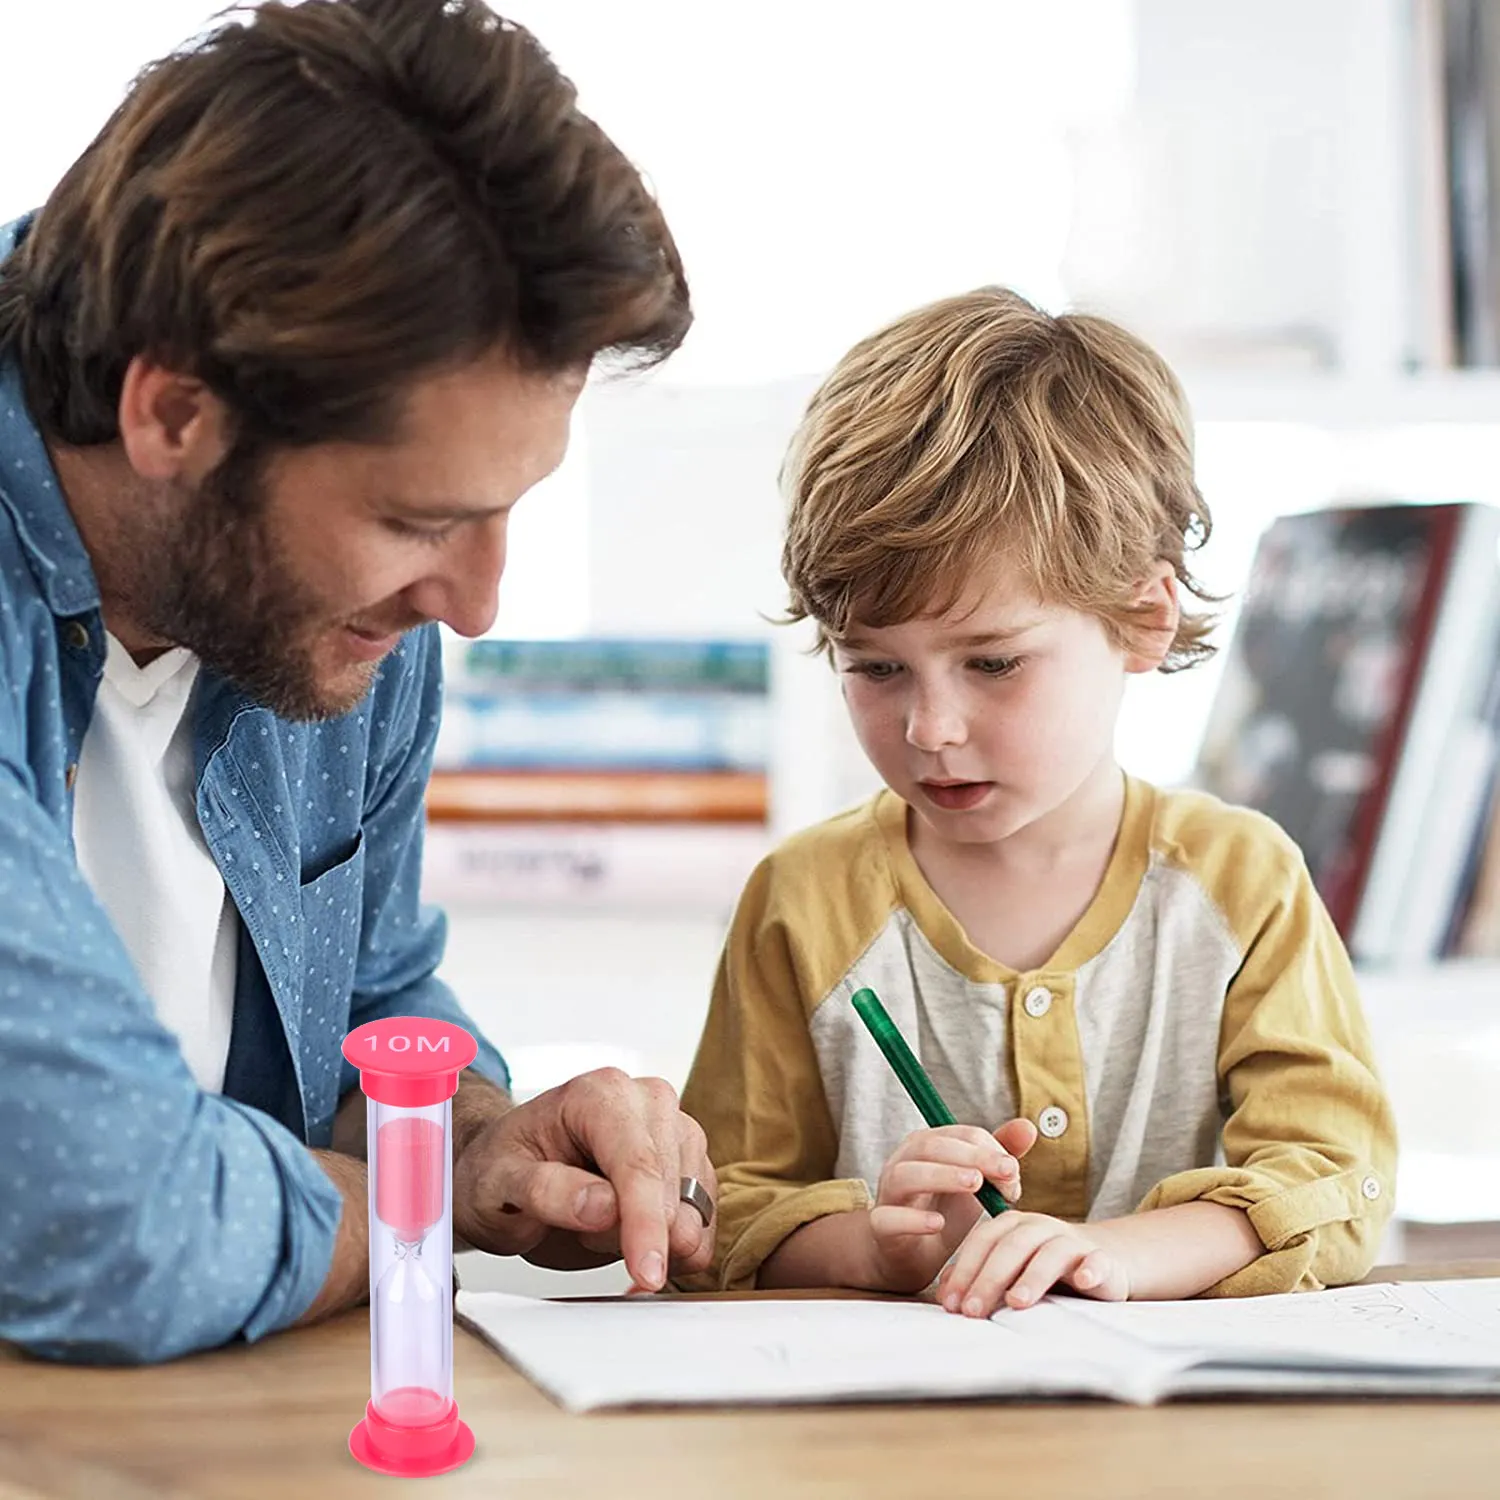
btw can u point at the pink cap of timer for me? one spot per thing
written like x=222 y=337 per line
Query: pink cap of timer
x=409 y=1061
x=411 y=1425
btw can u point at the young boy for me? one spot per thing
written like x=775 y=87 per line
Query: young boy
x=990 y=509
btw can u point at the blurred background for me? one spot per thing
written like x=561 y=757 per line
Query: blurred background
x=1291 y=198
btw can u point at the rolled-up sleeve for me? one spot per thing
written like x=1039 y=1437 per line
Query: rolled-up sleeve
x=1309 y=1137
x=142 y=1217
x=756 y=1089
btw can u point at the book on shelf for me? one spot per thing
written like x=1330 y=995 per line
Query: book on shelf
x=658 y=665
x=611 y=866
x=599 y=796
x=1474 y=927
x=608 y=704
x=604 y=728
x=1435 y=330
x=1446 y=764
x=1471 y=116
x=1453 y=103
x=1446 y=882
x=1356 y=709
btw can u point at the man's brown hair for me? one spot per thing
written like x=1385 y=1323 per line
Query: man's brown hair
x=313 y=204
x=981 y=427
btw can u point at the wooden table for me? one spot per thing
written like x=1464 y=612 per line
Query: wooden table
x=272 y=1421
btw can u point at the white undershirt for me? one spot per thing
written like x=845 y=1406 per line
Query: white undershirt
x=135 y=826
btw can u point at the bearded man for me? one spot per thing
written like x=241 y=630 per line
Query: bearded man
x=277 y=358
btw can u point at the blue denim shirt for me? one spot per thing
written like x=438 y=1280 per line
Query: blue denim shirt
x=139 y=1216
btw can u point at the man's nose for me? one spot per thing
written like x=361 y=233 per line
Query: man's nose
x=464 y=593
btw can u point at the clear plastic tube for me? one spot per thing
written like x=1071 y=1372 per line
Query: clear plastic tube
x=411 y=1262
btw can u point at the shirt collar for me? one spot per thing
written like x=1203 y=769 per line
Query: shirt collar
x=172 y=673
x=30 y=491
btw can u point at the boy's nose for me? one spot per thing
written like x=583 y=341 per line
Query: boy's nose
x=932 y=725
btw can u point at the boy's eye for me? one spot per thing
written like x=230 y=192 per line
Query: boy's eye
x=996 y=666
x=878 y=671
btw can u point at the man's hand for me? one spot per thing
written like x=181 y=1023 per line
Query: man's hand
x=583 y=1174
x=925 y=1204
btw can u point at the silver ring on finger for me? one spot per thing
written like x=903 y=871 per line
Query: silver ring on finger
x=691 y=1191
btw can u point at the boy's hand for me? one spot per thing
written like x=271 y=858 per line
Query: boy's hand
x=925 y=1204
x=1017 y=1258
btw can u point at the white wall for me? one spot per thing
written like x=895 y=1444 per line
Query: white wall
x=827 y=165
x=63 y=68
x=684 y=509
x=1248 y=207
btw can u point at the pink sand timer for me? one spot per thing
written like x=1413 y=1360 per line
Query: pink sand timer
x=408 y=1069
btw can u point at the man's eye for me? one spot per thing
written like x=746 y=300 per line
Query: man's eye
x=878 y=671
x=432 y=535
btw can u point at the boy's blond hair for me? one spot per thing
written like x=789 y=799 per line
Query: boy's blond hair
x=981 y=427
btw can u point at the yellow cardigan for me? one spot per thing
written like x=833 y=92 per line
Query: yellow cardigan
x=1198 y=1035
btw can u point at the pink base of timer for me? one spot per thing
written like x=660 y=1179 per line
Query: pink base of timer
x=411 y=1452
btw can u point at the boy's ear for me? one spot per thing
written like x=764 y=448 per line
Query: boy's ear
x=1155 y=626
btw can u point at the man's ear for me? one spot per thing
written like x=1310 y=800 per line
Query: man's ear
x=1155 y=626
x=171 y=425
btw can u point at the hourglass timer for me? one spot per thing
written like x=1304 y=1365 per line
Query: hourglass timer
x=408 y=1069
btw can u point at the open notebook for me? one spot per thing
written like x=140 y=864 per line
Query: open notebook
x=1423 y=1338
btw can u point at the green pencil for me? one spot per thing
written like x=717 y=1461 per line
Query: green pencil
x=914 y=1079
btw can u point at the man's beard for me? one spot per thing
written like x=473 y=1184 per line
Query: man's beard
x=218 y=583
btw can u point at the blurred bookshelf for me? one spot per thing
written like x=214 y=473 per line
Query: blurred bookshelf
x=600 y=773
x=1359 y=707
x=1333 y=262
x=1335 y=268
